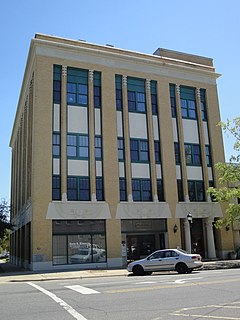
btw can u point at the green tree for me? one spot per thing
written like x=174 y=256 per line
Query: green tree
x=4 y=218
x=229 y=177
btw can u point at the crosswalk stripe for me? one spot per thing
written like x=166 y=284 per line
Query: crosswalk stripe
x=82 y=290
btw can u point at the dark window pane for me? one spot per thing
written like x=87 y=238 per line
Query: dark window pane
x=56 y=151
x=71 y=88
x=122 y=187
x=99 y=189
x=71 y=98
x=83 y=89
x=84 y=190
x=177 y=152
x=82 y=99
x=160 y=190
x=157 y=151
x=56 y=85
x=180 y=190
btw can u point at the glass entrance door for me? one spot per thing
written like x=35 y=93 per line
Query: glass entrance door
x=140 y=246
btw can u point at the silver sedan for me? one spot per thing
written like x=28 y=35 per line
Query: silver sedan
x=168 y=259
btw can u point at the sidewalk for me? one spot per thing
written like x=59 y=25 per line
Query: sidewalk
x=12 y=273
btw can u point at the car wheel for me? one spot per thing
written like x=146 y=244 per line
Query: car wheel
x=138 y=270
x=190 y=271
x=181 y=268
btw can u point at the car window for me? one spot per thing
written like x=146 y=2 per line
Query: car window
x=157 y=255
x=167 y=254
x=174 y=254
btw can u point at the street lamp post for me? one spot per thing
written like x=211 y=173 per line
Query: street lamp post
x=190 y=220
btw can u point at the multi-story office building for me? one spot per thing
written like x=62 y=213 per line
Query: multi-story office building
x=112 y=154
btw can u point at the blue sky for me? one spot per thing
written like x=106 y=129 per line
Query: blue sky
x=209 y=28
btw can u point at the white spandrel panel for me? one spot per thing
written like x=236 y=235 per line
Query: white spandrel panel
x=205 y=130
x=174 y=127
x=56 y=166
x=155 y=128
x=178 y=172
x=56 y=117
x=194 y=173
x=99 y=168
x=210 y=174
x=119 y=124
x=140 y=170
x=158 y=171
x=190 y=131
x=97 y=121
x=121 y=170
x=77 y=119
x=78 y=168
x=138 y=125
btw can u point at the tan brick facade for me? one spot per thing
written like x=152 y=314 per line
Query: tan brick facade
x=38 y=241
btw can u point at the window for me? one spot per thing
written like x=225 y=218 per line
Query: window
x=71 y=145
x=83 y=146
x=173 y=100
x=56 y=145
x=118 y=83
x=188 y=102
x=157 y=151
x=99 y=189
x=208 y=156
x=97 y=89
x=57 y=74
x=77 y=86
x=77 y=146
x=139 y=150
x=136 y=101
x=160 y=190
x=84 y=189
x=177 y=153
x=78 y=189
x=141 y=190
x=98 y=148
x=154 y=103
x=79 y=241
x=72 y=189
x=120 y=149
x=203 y=104
x=153 y=87
x=122 y=189
x=136 y=95
x=180 y=190
x=193 y=154
x=196 y=191
x=119 y=99
x=56 y=188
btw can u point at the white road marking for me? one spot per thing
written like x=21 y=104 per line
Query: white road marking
x=146 y=282
x=82 y=290
x=186 y=279
x=59 y=301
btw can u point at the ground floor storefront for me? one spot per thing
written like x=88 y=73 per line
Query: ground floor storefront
x=88 y=243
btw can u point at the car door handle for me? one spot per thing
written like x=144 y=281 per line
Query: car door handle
x=160 y=260
x=177 y=258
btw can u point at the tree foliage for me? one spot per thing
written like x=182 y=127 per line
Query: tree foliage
x=4 y=218
x=229 y=177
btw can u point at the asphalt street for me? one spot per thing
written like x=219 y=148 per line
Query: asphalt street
x=212 y=294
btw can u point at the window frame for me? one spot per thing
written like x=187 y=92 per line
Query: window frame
x=194 y=192
x=140 y=152
x=79 y=147
x=142 y=191
x=193 y=155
